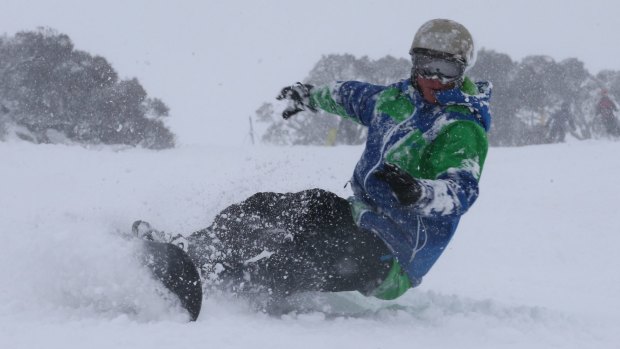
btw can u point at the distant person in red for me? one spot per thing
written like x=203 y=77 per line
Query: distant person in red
x=606 y=108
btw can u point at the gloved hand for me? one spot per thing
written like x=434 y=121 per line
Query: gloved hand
x=298 y=97
x=406 y=188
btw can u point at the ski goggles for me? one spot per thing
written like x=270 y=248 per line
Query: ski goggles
x=436 y=65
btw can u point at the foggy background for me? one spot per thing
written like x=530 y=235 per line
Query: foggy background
x=215 y=62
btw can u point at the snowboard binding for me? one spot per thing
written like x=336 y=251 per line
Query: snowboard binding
x=144 y=231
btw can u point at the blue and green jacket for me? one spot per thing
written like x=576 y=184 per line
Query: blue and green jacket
x=444 y=146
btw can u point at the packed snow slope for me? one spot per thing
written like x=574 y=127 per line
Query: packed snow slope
x=534 y=264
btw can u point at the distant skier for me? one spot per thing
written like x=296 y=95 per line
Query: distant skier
x=606 y=109
x=560 y=123
x=417 y=176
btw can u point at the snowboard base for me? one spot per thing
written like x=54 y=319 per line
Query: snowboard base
x=171 y=266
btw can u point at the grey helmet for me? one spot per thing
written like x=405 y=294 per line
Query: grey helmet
x=446 y=36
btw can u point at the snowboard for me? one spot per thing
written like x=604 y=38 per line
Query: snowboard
x=171 y=266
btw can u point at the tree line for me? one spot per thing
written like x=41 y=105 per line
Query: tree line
x=533 y=99
x=51 y=92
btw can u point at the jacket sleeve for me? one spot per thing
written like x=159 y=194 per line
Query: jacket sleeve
x=351 y=99
x=454 y=161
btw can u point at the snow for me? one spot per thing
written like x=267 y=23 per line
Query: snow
x=533 y=264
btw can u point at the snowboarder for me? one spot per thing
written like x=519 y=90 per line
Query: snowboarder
x=417 y=176
x=559 y=123
x=606 y=109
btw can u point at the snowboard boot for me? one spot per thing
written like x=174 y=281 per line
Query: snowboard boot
x=143 y=230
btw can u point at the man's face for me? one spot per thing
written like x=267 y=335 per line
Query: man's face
x=428 y=87
x=435 y=71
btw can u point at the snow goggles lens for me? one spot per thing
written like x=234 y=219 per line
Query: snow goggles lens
x=444 y=68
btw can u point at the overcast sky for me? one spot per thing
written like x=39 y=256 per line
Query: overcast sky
x=215 y=62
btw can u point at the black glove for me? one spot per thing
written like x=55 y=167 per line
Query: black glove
x=406 y=188
x=298 y=97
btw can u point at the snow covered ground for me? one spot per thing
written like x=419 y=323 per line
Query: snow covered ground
x=533 y=265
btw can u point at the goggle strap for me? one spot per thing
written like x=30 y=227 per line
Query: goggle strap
x=436 y=54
